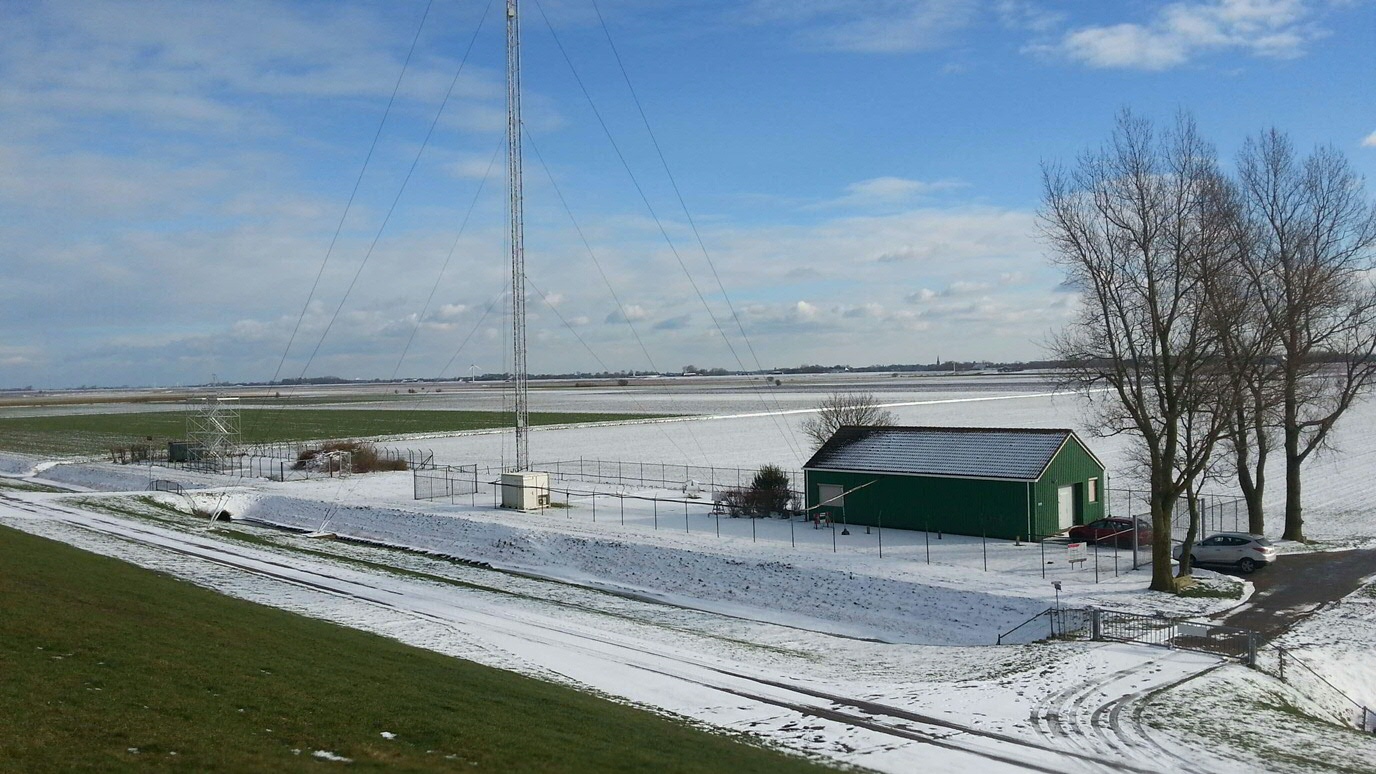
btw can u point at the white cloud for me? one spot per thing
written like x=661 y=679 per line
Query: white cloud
x=1370 y=141
x=888 y=190
x=1025 y=15
x=449 y=312
x=628 y=313
x=1180 y=31
x=965 y=288
x=867 y=26
x=192 y=64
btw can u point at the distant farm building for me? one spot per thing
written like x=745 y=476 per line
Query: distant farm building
x=1000 y=482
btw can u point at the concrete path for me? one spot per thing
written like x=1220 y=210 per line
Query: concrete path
x=1298 y=584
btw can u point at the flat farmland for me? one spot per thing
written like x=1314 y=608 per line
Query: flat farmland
x=80 y=434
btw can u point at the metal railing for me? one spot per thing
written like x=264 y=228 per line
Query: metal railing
x=1230 y=642
x=1283 y=664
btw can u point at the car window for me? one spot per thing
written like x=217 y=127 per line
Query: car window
x=1213 y=541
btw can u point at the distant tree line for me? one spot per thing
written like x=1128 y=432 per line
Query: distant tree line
x=1229 y=316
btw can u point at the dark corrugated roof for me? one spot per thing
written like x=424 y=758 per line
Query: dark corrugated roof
x=974 y=452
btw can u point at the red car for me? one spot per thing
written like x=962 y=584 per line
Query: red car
x=1113 y=531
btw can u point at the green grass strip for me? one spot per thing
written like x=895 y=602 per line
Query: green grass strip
x=111 y=667
x=96 y=433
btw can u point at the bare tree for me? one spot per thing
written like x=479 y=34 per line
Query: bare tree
x=1311 y=241
x=1246 y=345
x=1135 y=228
x=845 y=408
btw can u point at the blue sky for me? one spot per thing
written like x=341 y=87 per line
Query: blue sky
x=864 y=175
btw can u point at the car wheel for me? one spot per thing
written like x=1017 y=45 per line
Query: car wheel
x=1247 y=565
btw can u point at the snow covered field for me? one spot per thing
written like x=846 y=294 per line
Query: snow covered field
x=774 y=598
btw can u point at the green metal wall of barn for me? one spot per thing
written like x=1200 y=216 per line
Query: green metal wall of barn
x=966 y=506
x=1072 y=466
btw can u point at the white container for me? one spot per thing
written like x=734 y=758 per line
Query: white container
x=525 y=491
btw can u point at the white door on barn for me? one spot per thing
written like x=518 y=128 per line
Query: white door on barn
x=1065 y=506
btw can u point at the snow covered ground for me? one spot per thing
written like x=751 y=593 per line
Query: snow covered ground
x=812 y=609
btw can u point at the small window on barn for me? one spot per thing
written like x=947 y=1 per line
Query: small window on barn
x=831 y=495
x=1092 y=490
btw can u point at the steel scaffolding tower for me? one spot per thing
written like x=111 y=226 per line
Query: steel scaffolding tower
x=212 y=427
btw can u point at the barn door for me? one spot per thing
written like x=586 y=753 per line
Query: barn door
x=1065 y=507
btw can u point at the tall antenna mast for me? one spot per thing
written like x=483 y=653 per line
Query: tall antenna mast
x=518 y=258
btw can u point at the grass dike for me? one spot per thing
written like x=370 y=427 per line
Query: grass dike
x=112 y=667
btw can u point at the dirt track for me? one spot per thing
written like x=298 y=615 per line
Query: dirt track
x=1297 y=585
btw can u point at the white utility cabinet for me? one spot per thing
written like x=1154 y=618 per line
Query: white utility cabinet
x=525 y=491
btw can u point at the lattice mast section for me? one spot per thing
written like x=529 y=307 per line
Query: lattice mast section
x=212 y=426
x=520 y=380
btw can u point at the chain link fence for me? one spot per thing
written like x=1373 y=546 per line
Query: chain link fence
x=439 y=482
x=656 y=475
x=1217 y=513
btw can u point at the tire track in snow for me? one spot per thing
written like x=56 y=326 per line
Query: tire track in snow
x=1093 y=715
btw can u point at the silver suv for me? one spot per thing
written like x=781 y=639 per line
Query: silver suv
x=1239 y=549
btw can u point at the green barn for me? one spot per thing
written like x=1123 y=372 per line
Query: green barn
x=1000 y=482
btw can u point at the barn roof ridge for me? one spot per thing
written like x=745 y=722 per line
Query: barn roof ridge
x=1016 y=453
x=959 y=429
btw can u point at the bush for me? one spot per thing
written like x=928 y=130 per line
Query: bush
x=364 y=458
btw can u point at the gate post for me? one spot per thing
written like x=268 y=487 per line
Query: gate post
x=1251 y=649
x=1096 y=631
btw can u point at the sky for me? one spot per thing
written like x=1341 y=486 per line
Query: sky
x=206 y=190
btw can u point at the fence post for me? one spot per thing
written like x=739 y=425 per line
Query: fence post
x=1096 y=631
x=1251 y=649
x=793 y=541
x=622 y=497
x=1042 y=542
x=984 y=541
x=752 y=529
x=655 y=500
x=881 y=534
x=685 y=515
x=927 y=540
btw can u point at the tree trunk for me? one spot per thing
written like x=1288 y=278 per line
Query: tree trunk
x=1253 y=486
x=1294 y=512
x=1162 y=504
x=1191 y=533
